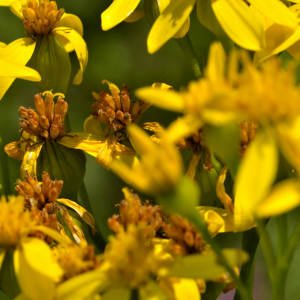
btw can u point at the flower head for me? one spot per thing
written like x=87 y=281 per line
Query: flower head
x=41 y=17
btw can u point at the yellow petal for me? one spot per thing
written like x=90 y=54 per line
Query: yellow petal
x=278 y=38
x=13 y=70
x=284 y=197
x=85 y=215
x=2 y=255
x=165 y=99
x=81 y=287
x=140 y=140
x=208 y=266
x=216 y=63
x=30 y=160
x=70 y=21
x=36 y=269
x=2 y=46
x=255 y=178
x=180 y=288
x=6 y=2
x=182 y=128
x=183 y=30
x=152 y=126
x=22 y=297
x=135 y=16
x=221 y=193
x=12 y=150
x=161 y=86
x=240 y=22
x=16 y=7
x=228 y=224
x=168 y=23
x=76 y=231
x=118 y=11
x=276 y=11
x=92 y=125
x=18 y=52
x=289 y=138
x=80 y=48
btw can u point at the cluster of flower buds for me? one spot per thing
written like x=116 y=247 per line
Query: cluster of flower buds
x=132 y=211
x=41 y=197
x=49 y=123
x=186 y=239
x=41 y=201
x=117 y=110
x=41 y=17
x=248 y=131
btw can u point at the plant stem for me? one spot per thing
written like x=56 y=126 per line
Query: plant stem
x=186 y=46
x=249 y=244
x=242 y=288
x=267 y=248
x=85 y=202
x=282 y=229
x=5 y=187
x=284 y=263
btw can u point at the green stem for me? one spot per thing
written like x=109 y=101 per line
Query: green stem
x=267 y=248
x=242 y=288
x=187 y=48
x=5 y=187
x=85 y=202
x=284 y=263
x=249 y=244
x=282 y=229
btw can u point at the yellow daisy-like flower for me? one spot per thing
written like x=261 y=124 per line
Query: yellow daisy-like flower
x=47 y=126
x=40 y=19
x=33 y=263
x=10 y=70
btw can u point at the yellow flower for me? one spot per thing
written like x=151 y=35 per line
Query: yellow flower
x=160 y=167
x=11 y=69
x=253 y=95
x=116 y=111
x=122 y=10
x=66 y=28
x=33 y=263
x=130 y=262
x=48 y=126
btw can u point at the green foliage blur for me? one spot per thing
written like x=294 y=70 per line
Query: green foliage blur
x=120 y=56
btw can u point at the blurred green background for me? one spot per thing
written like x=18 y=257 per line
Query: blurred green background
x=120 y=56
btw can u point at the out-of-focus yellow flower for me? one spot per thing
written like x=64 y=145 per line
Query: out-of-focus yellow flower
x=130 y=262
x=10 y=70
x=33 y=263
x=49 y=126
x=121 y=10
x=251 y=94
x=67 y=28
x=160 y=167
